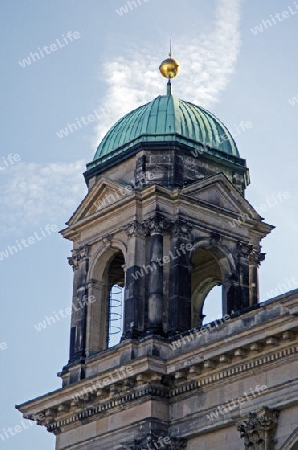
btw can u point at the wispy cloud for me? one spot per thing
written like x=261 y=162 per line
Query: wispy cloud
x=35 y=194
x=211 y=58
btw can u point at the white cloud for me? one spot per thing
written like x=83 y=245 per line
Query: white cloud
x=33 y=195
x=208 y=61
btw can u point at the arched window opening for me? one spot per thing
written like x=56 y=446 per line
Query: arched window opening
x=115 y=300
x=212 y=308
x=206 y=274
x=115 y=315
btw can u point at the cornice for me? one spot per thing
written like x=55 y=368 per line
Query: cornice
x=265 y=346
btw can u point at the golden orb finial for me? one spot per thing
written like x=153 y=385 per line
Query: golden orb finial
x=169 y=68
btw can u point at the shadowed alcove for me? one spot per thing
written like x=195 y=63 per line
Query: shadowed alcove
x=104 y=321
x=206 y=274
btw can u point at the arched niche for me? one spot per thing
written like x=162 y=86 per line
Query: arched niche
x=206 y=273
x=116 y=279
x=211 y=266
x=106 y=271
x=212 y=308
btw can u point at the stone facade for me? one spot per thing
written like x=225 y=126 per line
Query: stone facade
x=168 y=229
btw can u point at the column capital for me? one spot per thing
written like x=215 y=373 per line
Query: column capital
x=157 y=224
x=256 y=257
x=78 y=255
x=244 y=249
x=136 y=229
x=179 y=228
x=258 y=430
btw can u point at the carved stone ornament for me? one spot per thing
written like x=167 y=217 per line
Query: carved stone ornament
x=181 y=229
x=258 y=430
x=107 y=240
x=244 y=249
x=135 y=228
x=157 y=224
x=256 y=257
x=78 y=255
x=159 y=442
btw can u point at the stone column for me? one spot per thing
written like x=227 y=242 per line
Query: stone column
x=179 y=304
x=243 y=250
x=156 y=226
x=97 y=326
x=255 y=259
x=258 y=430
x=80 y=262
x=134 y=301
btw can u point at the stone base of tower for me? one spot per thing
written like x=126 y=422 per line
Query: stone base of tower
x=228 y=386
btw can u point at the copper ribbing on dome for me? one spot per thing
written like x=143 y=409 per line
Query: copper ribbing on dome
x=166 y=119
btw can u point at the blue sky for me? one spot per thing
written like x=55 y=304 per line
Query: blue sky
x=112 y=67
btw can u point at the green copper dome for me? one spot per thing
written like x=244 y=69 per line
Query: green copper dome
x=166 y=119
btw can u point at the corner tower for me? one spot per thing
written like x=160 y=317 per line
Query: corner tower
x=166 y=188
x=165 y=220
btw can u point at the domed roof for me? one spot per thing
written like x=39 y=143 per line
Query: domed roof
x=166 y=119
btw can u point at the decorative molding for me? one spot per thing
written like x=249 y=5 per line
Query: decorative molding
x=256 y=257
x=244 y=249
x=258 y=430
x=135 y=229
x=179 y=228
x=107 y=240
x=133 y=394
x=157 y=224
x=237 y=369
x=162 y=390
x=78 y=255
x=153 y=442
